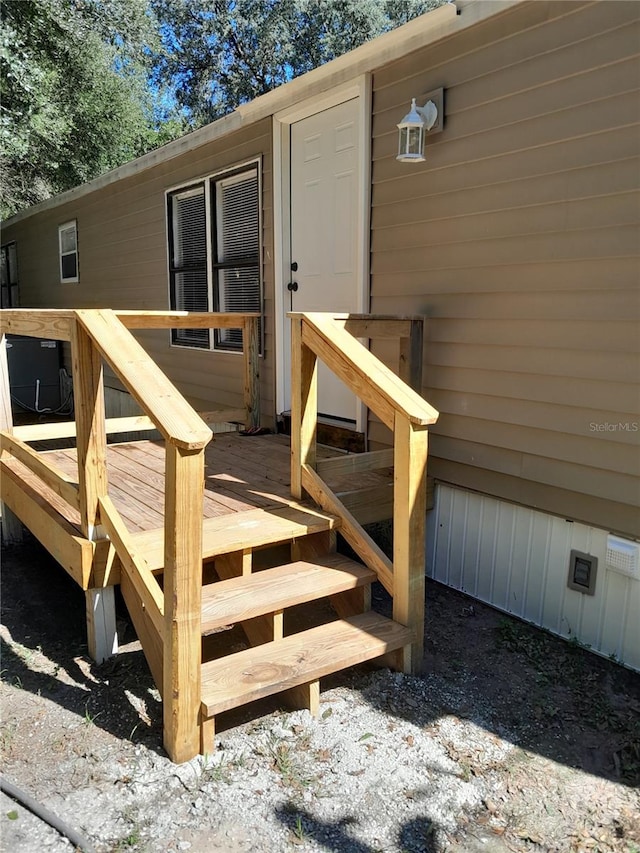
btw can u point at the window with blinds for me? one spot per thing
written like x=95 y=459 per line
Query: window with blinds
x=237 y=250
x=214 y=253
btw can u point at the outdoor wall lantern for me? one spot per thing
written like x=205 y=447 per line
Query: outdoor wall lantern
x=414 y=127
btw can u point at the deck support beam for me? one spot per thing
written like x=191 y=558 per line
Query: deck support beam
x=88 y=390
x=409 y=520
x=304 y=406
x=11 y=525
x=182 y=602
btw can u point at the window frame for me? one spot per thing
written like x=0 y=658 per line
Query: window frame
x=209 y=183
x=10 y=296
x=66 y=226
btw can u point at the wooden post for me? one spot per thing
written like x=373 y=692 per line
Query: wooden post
x=411 y=351
x=182 y=602
x=251 y=346
x=304 y=406
x=11 y=525
x=409 y=523
x=88 y=395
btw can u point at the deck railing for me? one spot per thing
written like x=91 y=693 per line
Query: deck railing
x=167 y=618
x=405 y=412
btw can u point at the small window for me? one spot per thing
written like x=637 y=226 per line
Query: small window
x=68 y=240
x=214 y=253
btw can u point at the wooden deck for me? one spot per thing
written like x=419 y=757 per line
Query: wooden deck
x=241 y=473
x=242 y=529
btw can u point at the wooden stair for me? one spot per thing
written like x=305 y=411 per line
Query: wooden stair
x=273 y=590
x=257 y=597
x=243 y=531
x=298 y=659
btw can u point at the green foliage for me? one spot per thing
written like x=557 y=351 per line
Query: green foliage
x=74 y=100
x=221 y=53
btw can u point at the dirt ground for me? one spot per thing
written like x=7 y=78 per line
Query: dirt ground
x=511 y=740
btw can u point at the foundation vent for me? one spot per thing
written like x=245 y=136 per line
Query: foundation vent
x=623 y=556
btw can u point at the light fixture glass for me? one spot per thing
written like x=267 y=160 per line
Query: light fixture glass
x=412 y=131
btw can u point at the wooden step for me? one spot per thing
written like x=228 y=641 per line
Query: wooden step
x=256 y=528
x=275 y=589
x=300 y=658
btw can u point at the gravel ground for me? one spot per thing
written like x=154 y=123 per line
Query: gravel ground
x=510 y=741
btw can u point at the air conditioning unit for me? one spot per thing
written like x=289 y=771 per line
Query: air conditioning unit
x=34 y=374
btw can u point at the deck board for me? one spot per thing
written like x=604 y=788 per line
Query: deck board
x=242 y=473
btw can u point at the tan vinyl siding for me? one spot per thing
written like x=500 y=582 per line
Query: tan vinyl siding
x=518 y=238
x=122 y=241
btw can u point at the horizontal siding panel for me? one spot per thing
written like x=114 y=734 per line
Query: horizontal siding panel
x=587 y=449
x=592 y=305
x=620 y=242
x=393 y=180
x=580 y=364
x=575 y=275
x=519 y=33
x=467 y=138
x=602 y=212
x=611 y=397
x=619 y=335
x=612 y=485
x=593 y=182
x=532 y=414
x=603 y=64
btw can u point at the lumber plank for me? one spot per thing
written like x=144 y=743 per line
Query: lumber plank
x=368 y=378
x=88 y=389
x=359 y=540
x=223 y=416
x=11 y=526
x=61 y=539
x=377 y=325
x=304 y=697
x=355 y=463
x=251 y=529
x=304 y=405
x=409 y=523
x=62 y=484
x=275 y=589
x=298 y=659
x=134 y=564
x=370 y=504
x=150 y=639
x=251 y=349
x=411 y=350
x=144 y=380
x=182 y=319
x=182 y=588
x=42 y=323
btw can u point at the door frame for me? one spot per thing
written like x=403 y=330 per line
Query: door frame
x=359 y=88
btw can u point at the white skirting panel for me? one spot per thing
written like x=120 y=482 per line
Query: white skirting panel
x=517 y=560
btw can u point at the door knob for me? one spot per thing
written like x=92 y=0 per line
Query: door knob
x=292 y=286
x=294 y=266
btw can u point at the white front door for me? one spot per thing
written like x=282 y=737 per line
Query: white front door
x=326 y=195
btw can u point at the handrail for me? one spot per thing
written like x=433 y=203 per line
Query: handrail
x=372 y=381
x=183 y=319
x=172 y=415
x=322 y=337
